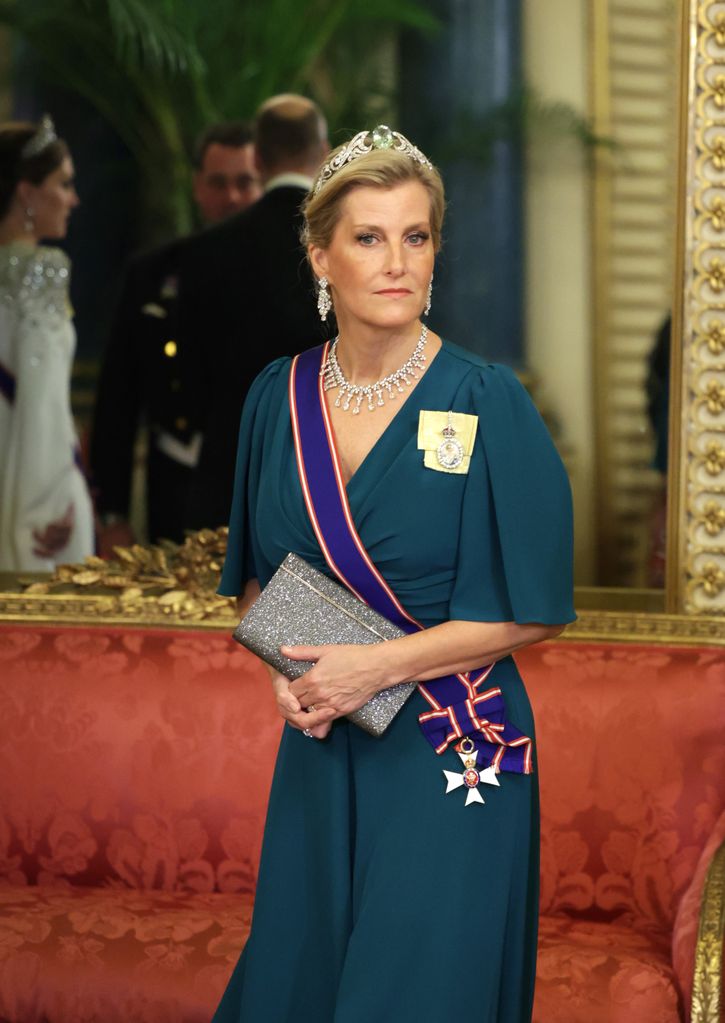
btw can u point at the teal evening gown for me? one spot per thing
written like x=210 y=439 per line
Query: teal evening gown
x=381 y=898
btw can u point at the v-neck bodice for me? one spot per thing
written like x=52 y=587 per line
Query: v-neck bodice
x=480 y=545
x=398 y=428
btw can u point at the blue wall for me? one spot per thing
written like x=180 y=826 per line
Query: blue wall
x=450 y=83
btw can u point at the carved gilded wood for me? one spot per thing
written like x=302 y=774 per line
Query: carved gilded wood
x=695 y=593
x=698 y=488
x=707 y=981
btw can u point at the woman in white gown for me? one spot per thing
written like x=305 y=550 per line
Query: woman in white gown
x=46 y=515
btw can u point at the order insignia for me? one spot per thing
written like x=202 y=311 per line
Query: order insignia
x=447 y=438
x=471 y=777
x=450 y=450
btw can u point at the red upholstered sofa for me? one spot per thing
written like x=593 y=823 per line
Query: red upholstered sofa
x=134 y=771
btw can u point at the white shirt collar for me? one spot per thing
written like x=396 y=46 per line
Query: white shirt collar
x=287 y=179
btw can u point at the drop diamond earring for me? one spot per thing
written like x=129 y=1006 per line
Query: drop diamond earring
x=430 y=296
x=29 y=224
x=324 y=302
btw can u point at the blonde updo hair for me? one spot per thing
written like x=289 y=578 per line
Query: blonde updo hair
x=380 y=168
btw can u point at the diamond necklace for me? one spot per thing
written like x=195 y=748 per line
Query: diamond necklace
x=375 y=394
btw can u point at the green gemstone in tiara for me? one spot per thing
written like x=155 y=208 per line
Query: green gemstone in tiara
x=382 y=137
x=363 y=143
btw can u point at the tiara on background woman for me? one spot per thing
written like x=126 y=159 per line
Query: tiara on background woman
x=363 y=143
x=44 y=135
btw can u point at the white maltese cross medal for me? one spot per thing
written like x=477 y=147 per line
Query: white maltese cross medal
x=471 y=776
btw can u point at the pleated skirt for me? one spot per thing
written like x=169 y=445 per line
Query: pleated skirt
x=380 y=897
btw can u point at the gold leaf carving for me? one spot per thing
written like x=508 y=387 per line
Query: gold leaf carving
x=86 y=578
x=712 y=518
x=718 y=23
x=714 y=458
x=166 y=580
x=37 y=588
x=718 y=145
x=715 y=336
x=699 y=470
x=714 y=395
x=707 y=981
x=712 y=579
x=718 y=90
x=715 y=272
x=716 y=214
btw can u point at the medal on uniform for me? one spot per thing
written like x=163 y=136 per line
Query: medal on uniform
x=471 y=777
x=450 y=450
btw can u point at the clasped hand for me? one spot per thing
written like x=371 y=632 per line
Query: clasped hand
x=342 y=680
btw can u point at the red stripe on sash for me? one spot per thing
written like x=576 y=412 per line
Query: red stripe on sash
x=465 y=720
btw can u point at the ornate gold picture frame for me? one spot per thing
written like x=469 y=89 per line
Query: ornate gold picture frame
x=176 y=587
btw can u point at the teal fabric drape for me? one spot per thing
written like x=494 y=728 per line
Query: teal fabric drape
x=379 y=896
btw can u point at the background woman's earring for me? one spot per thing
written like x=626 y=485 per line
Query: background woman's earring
x=430 y=296
x=324 y=302
x=29 y=220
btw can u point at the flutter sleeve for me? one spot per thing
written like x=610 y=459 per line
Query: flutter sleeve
x=516 y=547
x=259 y=405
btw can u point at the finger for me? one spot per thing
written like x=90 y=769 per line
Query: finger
x=321 y=731
x=280 y=684
x=302 y=653
x=42 y=552
x=311 y=719
x=301 y=691
x=289 y=701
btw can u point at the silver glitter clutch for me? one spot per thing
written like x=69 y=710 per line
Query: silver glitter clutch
x=300 y=606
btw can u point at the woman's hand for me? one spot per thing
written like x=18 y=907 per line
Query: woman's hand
x=343 y=678
x=317 y=722
x=55 y=536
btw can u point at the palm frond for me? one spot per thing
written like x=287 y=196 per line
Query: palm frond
x=145 y=38
x=160 y=70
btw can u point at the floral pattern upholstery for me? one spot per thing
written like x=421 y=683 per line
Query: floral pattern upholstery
x=134 y=773
x=71 y=953
x=632 y=775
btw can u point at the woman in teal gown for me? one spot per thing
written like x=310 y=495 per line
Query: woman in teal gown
x=380 y=897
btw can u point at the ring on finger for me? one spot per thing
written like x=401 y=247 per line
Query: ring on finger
x=308 y=733
x=311 y=709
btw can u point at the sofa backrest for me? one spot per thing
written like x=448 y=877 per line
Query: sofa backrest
x=143 y=757
x=134 y=757
x=632 y=773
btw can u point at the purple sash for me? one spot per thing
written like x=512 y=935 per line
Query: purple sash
x=458 y=706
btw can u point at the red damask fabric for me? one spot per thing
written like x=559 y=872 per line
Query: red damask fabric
x=134 y=773
x=135 y=757
x=632 y=775
x=602 y=973
x=118 y=956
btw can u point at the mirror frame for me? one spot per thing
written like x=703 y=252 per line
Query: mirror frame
x=694 y=596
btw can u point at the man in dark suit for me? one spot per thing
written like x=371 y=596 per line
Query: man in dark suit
x=146 y=373
x=246 y=294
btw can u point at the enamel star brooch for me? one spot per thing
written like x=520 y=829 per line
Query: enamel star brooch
x=470 y=777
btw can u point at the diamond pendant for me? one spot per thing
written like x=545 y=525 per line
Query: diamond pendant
x=471 y=776
x=450 y=450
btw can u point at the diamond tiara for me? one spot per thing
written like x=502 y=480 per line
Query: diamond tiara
x=42 y=138
x=363 y=143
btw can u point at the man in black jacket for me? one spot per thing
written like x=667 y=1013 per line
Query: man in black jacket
x=145 y=373
x=246 y=294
